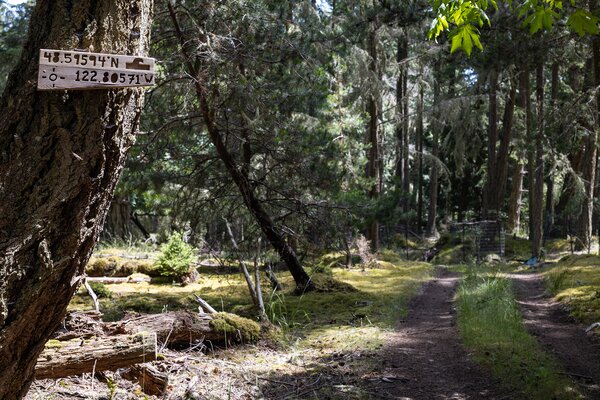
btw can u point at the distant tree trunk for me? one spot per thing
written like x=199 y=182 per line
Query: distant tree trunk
x=568 y=189
x=584 y=225
x=549 y=209
x=501 y=165
x=525 y=94
x=492 y=140
x=251 y=200
x=419 y=134
x=516 y=195
x=402 y=140
x=118 y=220
x=373 y=163
x=61 y=154
x=537 y=203
x=431 y=230
x=406 y=133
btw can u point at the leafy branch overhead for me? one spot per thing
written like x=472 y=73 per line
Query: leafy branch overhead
x=463 y=19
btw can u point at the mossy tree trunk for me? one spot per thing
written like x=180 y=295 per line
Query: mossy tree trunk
x=61 y=154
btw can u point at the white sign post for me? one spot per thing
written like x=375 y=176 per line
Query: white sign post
x=62 y=69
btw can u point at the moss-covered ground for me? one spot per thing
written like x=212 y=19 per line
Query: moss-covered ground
x=574 y=281
x=348 y=304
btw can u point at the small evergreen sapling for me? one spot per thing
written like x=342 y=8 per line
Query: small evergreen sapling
x=176 y=259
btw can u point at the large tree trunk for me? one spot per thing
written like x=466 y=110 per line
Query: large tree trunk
x=489 y=192
x=537 y=204
x=516 y=195
x=404 y=120
x=374 y=158
x=419 y=134
x=549 y=208
x=251 y=200
x=431 y=230
x=61 y=154
x=584 y=225
x=525 y=94
x=501 y=165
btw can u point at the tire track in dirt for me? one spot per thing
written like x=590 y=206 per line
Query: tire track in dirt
x=425 y=358
x=558 y=333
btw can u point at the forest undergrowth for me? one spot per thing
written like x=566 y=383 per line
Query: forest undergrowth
x=328 y=340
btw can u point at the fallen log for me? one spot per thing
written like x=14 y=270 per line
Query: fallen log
x=77 y=356
x=110 y=280
x=186 y=329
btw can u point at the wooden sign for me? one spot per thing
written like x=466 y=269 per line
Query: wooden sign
x=61 y=69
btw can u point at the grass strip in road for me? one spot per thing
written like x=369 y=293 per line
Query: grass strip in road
x=492 y=328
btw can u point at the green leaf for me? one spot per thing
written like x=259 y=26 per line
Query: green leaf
x=464 y=38
x=477 y=42
x=456 y=43
x=535 y=21
x=583 y=22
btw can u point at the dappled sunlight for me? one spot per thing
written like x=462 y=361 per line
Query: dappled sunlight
x=575 y=282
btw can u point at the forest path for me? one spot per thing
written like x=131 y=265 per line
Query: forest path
x=425 y=358
x=557 y=332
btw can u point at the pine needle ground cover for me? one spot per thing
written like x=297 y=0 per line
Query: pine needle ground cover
x=491 y=326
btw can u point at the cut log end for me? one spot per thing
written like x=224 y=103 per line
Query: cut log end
x=152 y=381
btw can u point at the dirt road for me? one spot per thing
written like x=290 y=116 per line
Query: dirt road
x=425 y=358
x=558 y=333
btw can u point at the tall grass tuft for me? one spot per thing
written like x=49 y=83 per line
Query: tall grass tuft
x=491 y=326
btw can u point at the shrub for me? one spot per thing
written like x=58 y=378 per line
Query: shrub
x=101 y=290
x=97 y=267
x=363 y=247
x=176 y=258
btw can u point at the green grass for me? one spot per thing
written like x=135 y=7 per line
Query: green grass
x=491 y=326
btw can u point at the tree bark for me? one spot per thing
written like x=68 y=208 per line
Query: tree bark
x=373 y=163
x=516 y=196
x=419 y=133
x=251 y=200
x=491 y=144
x=431 y=230
x=537 y=197
x=549 y=208
x=61 y=154
x=403 y=78
x=525 y=94
x=78 y=356
x=498 y=193
x=584 y=225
